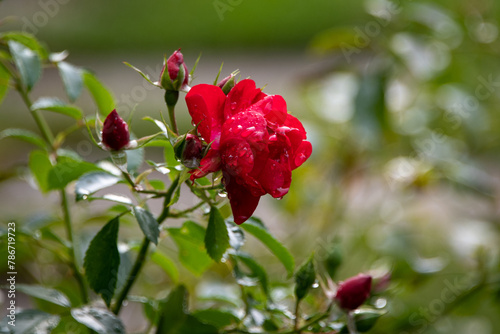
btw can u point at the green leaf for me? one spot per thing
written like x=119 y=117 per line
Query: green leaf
x=215 y=317
x=102 y=260
x=166 y=264
x=134 y=159
x=27 y=62
x=72 y=78
x=256 y=269
x=27 y=40
x=30 y=322
x=100 y=320
x=190 y=241
x=92 y=182
x=102 y=97
x=304 y=278
x=148 y=224
x=24 y=135
x=67 y=170
x=58 y=106
x=144 y=75
x=173 y=311
x=4 y=82
x=258 y=230
x=216 y=236
x=365 y=320
x=51 y=295
x=192 y=325
x=40 y=166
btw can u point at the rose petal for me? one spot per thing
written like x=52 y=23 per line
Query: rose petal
x=206 y=104
x=301 y=154
x=243 y=203
x=273 y=107
x=276 y=178
x=243 y=95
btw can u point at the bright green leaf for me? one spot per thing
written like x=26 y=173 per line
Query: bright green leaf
x=94 y=181
x=72 y=78
x=67 y=170
x=215 y=317
x=30 y=322
x=51 y=295
x=4 y=82
x=166 y=264
x=148 y=224
x=40 y=166
x=258 y=230
x=27 y=40
x=58 y=106
x=135 y=159
x=365 y=320
x=304 y=278
x=100 y=320
x=102 y=97
x=216 y=237
x=190 y=241
x=24 y=135
x=27 y=62
x=102 y=260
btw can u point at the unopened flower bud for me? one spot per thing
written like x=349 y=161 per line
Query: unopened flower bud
x=189 y=150
x=227 y=83
x=115 y=134
x=177 y=74
x=354 y=291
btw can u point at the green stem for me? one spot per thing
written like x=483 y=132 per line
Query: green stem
x=296 y=320
x=49 y=137
x=69 y=233
x=40 y=121
x=173 y=122
x=132 y=275
x=141 y=257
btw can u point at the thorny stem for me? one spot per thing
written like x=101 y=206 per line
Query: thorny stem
x=141 y=257
x=49 y=138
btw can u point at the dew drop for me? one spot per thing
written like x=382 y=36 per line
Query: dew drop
x=238 y=129
x=233 y=105
x=85 y=197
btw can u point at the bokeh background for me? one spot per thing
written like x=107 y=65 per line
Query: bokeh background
x=401 y=102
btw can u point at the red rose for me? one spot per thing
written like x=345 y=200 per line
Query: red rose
x=115 y=134
x=354 y=291
x=254 y=141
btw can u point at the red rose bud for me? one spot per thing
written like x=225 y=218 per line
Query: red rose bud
x=227 y=83
x=115 y=133
x=178 y=74
x=189 y=150
x=354 y=291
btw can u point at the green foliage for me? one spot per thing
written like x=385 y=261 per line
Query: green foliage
x=72 y=78
x=102 y=97
x=66 y=170
x=216 y=236
x=99 y=320
x=30 y=321
x=304 y=278
x=51 y=295
x=190 y=241
x=258 y=230
x=56 y=105
x=27 y=62
x=148 y=223
x=4 y=82
x=92 y=182
x=102 y=271
x=24 y=135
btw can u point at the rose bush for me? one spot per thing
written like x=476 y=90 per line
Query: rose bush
x=253 y=140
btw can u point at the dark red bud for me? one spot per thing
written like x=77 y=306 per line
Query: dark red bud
x=189 y=150
x=174 y=64
x=115 y=133
x=354 y=291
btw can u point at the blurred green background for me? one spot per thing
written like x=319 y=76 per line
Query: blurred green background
x=401 y=103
